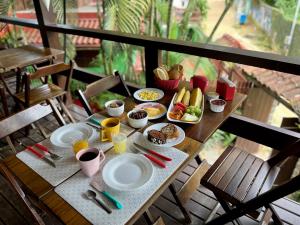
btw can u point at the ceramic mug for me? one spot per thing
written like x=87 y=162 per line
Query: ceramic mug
x=109 y=128
x=90 y=160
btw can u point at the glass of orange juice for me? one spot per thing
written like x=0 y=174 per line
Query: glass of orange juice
x=80 y=144
x=119 y=142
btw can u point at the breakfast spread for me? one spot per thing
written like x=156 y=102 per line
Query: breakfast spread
x=115 y=104
x=160 y=137
x=138 y=115
x=154 y=110
x=156 y=137
x=148 y=95
x=186 y=106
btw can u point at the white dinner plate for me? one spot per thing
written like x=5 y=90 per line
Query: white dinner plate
x=127 y=172
x=64 y=136
x=169 y=142
x=160 y=94
x=153 y=105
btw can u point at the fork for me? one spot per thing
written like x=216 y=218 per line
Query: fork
x=43 y=148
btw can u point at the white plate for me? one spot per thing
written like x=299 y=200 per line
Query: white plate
x=64 y=136
x=153 y=104
x=160 y=94
x=170 y=142
x=127 y=172
x=170 y=109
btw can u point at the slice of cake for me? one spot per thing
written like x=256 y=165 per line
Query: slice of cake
x=156 y=137
x=170 y=131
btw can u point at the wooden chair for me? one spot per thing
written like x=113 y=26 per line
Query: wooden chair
x=47 y=92
x=242 y=183
x=4 y=101
x=21 y=194
x=99 y=86
x=22 y=119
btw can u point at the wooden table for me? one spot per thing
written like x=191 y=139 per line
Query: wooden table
x=201 y=132
x=20 y=57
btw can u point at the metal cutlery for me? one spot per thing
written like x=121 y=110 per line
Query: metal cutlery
x=39 y=155
x=91 y=195
x=107 y=195
x=153 y=152
x=150 y=157
x=45 y=149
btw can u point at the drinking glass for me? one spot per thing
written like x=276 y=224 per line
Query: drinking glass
x=119 y=142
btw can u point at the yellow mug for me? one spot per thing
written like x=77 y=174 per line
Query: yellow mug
x=109 y=128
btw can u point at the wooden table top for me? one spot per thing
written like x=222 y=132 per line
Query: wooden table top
x=195 y=136
x=20 y=57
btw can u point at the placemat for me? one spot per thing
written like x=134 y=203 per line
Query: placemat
x=72 y=189
x=67 y=166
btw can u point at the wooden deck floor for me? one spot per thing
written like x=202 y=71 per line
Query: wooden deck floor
x=200 y=205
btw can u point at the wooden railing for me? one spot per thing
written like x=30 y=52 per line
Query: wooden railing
x=153 y=47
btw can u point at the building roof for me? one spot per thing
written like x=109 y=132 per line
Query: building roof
x=83 y=19
x=285 y=86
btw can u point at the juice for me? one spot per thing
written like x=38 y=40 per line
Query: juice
x=80 y=144
x=119 y=142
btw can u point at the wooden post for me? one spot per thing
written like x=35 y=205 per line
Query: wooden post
x=152 y=61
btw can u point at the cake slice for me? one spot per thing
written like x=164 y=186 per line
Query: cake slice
x=156 y=137
x=170 y=131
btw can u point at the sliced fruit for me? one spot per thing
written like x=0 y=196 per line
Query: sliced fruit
x=179 y=95
x=189 y=118
x=180 y=106
x=186 y=98
x=196 y=97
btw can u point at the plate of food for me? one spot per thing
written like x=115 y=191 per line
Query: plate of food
x=148 y=94
x=155 y=110
x=164 y=135
x=186 y=106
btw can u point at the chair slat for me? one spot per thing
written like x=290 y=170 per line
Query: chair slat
x=264 y=184
x=237 y=179
x=226 y=179
x=257 y=184
x=23 y=119
x=49 y=70
x=244 y=186
x=220 y=172
x=215 y=166
x=101 y=85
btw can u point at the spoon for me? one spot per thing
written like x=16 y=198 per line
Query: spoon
x=91 y=195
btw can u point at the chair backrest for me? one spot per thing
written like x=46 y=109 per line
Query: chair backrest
x=44 y=72
x=16 y=187
x=23 y=119
x=99 y=86
x=290 y=150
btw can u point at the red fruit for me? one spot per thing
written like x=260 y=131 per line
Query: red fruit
x=180 y=106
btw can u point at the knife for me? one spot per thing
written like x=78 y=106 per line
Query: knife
x=153 y=152
x=152 y=158
x=41 y=156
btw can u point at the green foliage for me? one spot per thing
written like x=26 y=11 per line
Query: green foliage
x=225 y=137
x=270 y=2
x=296 y=196
x=287 y=7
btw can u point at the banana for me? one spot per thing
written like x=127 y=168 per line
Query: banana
x=186 y=98
x=179 y=95
x=196 y=97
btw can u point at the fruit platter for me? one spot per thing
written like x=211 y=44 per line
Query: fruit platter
x=186 y=106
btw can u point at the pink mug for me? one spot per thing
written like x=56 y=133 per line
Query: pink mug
x=90 y=160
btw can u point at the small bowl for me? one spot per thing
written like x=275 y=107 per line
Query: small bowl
x=137 y=123
x=217 y=105
x=212 y=95
x=115 y=111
